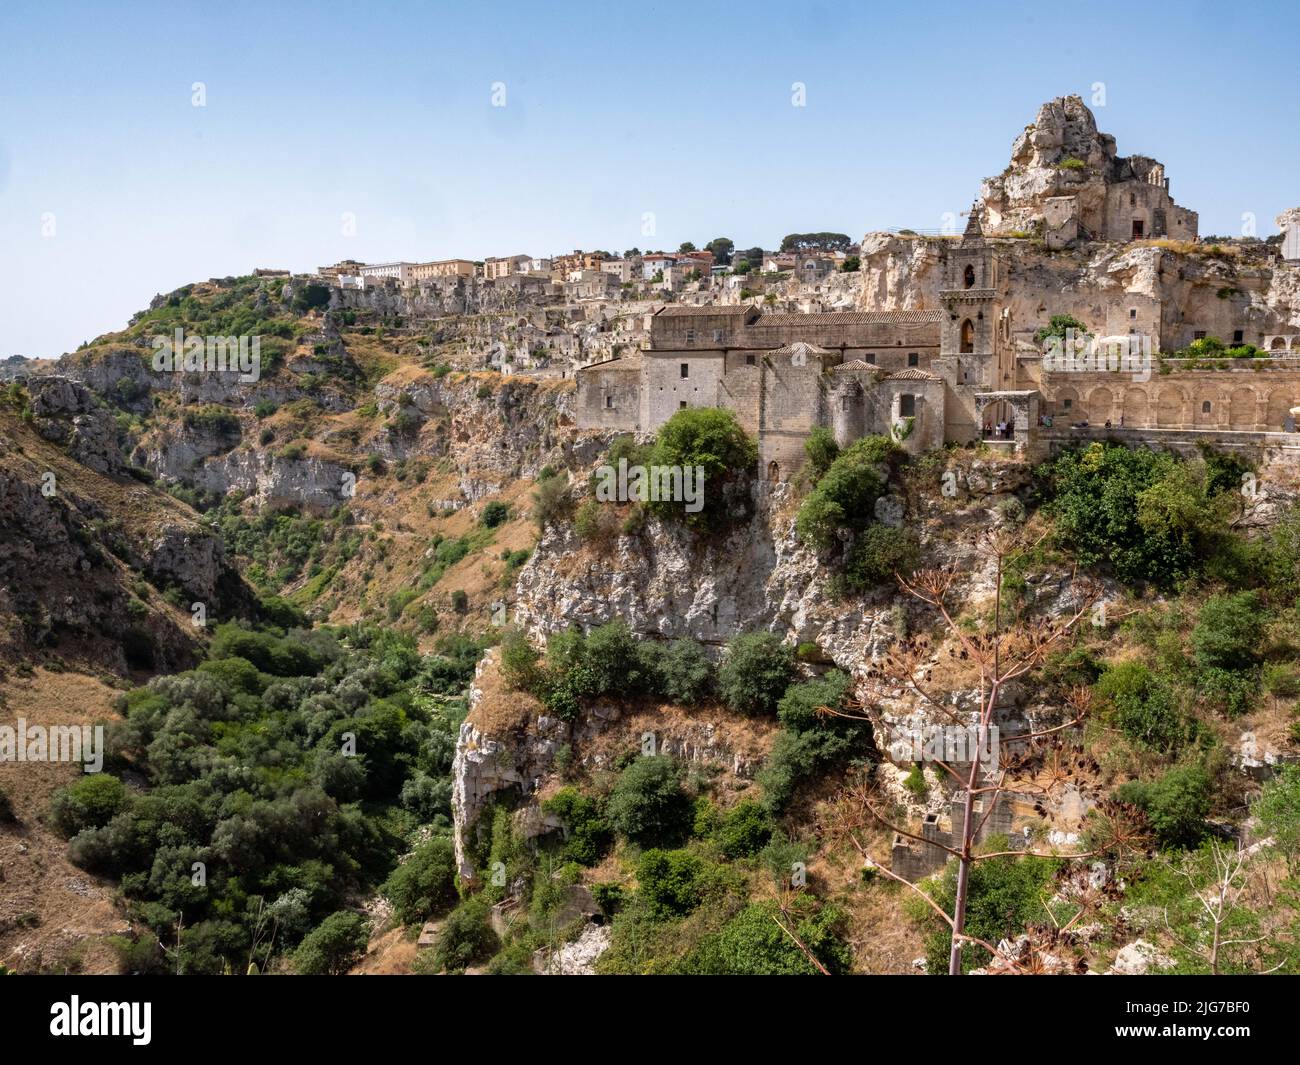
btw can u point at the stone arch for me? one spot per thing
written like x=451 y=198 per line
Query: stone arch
x=1171 y=405
x=1101 y=405
x=773 y=471
x=1071 y=412
x=1241 y=408
x=1136 y=412
x=1279 y=344
x=1280 y=402
x=968 y=276
x=967 y=337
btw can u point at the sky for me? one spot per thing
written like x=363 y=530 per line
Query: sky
x=382 y=130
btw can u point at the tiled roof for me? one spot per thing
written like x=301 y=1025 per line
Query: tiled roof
x=914 y=375
x=855 y=317
x=672 y=310
x=799 y=346
x=854 y=366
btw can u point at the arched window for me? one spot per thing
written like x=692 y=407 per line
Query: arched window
x=969 y=276
x=1205 y=407
x=773 y=471
x=968 y=337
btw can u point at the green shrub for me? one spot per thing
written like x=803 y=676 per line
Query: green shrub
x=753 y=944
x=90 y=801
x=845 y=496
x=1145 y=708
x=679 y=670
x=334 y=946
x=745 y=830
x=755 y=672
x=648 y=804
x=1176 y=803
x=494 y=514
x=1229 y=632
x=1145 y=515
x=587 y=832
x=821 y=449
x=1005 y=895
x=466 y=937
x=551 y=501
x=799 y=705
x=795 y=757
x=712 y=439
x=669 y=883
x=878 y=554
x=520 y=669
x=425 y=884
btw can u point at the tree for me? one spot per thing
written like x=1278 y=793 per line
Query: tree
x=648 y=804
x=711 y=440
x=816 y=242
x=755 y=673
x=1003 y=654
x=686 y=246
x=424 y=884
x=334 y=946
x=722 y=249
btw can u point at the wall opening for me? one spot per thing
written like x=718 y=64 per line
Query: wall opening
x=967 y=337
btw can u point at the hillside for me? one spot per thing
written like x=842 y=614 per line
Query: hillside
x=437 y=683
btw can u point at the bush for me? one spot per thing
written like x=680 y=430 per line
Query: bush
x=753 y=944
x=712 y=439
x=1145 y=515
x=745 y=830
x=465 y=938
x=1176 y=804
x=755 y=672
x=799 y=705
x=7 y=816
x=1229 y=632
x=334 y=946
x=845 y=496
x=90 y=801
x=669 y=883
x=879 y=553
x=494 y=514
x=551 y=501
x=519 y=663
x=1005 y=894
x=648 y=804
x=679 y=670
x=821 y=449
x=795 y=757
x=1144 y=708
x=424 y=884
x=587 y=833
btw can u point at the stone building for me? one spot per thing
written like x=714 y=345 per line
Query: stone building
x=949 y=342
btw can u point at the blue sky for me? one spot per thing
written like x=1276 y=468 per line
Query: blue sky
x=383 y=110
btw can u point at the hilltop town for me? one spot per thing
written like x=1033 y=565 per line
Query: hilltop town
x=1173 y=337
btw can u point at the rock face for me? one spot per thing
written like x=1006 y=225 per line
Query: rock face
x=1137 y=959
x=67 y=413
x=577 y=958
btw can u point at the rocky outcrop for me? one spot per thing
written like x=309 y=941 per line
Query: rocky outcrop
x=67 y=413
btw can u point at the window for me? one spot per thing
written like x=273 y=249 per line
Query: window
x=1199 y=334
x=609 y=401
x=686 y=370
x=968 y=337
x=968 y=278
x=751 y=360
x=681 y=405
x=1205 y=407
x=871 y=358
x=1137 y=229
x=717 y=336
x=913 y=359
x=1238 y=336
x=1067 y=404
x=690 y=339
x=1132 y=312
x=907 y=405
x=844 y=403
x=1132 y=199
